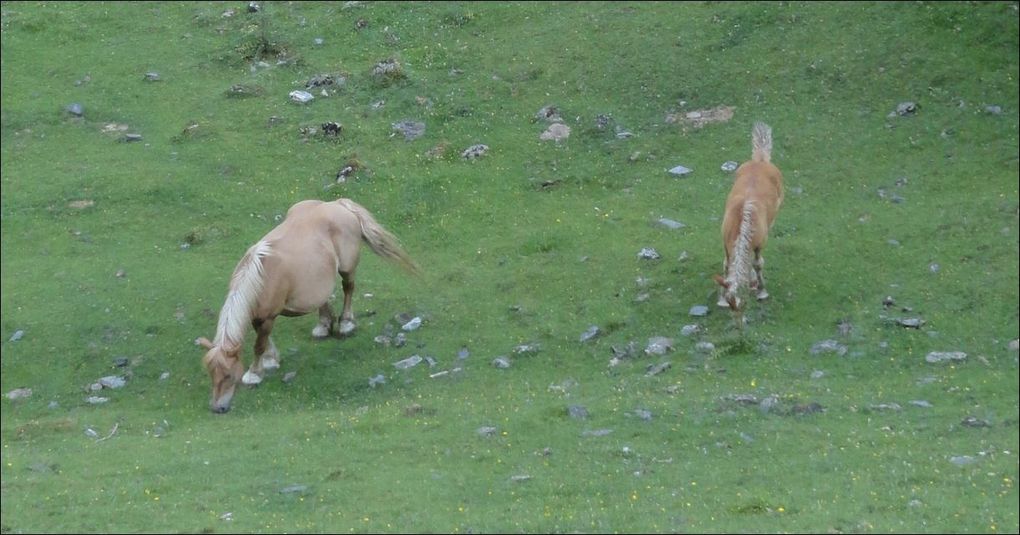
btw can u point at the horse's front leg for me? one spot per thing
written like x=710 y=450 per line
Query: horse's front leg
x=266 y=355
x=325 y=325
x=723 y=302
x=347 y=315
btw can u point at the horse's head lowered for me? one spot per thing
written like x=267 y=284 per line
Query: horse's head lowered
x=225 y=370
x=734 y=300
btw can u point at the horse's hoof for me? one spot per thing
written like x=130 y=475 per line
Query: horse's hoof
x=762 y=295
x=346 y=327
x=320 y=331
x=251 y=379
x=722 y=303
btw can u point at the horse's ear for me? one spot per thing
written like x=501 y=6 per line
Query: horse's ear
x=204 y=342
x=720 y=281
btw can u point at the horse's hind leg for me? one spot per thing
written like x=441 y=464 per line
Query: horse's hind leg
x=759 y=264
x=347 y=315
x=266 y=355
x=722 y=302
x=325 y=325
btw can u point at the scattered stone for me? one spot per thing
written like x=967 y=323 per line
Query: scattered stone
x=474 y=151
x=332 y=128
x=410 y=129
x=700 y=118
x=943 y=356
x=656 y=369
x=962 y=460
x=910 y=323
x=548 y=113
x=377 y=380
x=53 y=405
x=556 y=132
x=112 y=381
x=643 y=414
x=254 y=7
x=96 y=400
x=409 y=362
x=91 y=433
x=301 y=97
x=659 y=345
x=501 y=362
x=817 y=374
x=75 y=109
x=326 y=80
x=844 y=327
x=17 y=335
x=994 y=110
x=152 y=77
x=698 y=311
x=670 y=224
x=131 y=138
x=294 y=489
x=920 y=403
x=768 y=403
x=431 y=361
x=904 y=108
x=524 y=349
x=680 y=171
x=596 y=432
x=828 y=346
x=19 y=393
x=463 y=354
x=289 y=377
x=705 y=347
x=888 y=302
x=592 y=332
x=934 y=267
x=412 y=325
x=729 y=166
x=121 y=362
x=648 y=253
x=318 y=41
x=577 y=412
x=1014 y=345
x=972 y=421
x=689 y=330
x=519 y=478
x=886 y=407
x=164 y=376
x=486 y=431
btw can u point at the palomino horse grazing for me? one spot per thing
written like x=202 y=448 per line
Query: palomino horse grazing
x=292 y=271
x=750 y=211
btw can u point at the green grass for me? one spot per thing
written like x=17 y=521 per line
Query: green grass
x=507 y=261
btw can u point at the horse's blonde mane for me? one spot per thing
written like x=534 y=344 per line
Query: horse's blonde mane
x=739 y=265
x=245 y=286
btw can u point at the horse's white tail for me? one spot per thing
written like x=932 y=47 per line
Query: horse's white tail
x=245 y=287
x=761 y=142
x=739 y=270
x=378 y=238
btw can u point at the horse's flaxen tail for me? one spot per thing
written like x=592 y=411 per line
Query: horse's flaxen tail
x=379 y=239
x=761 y=142
x=739 y=272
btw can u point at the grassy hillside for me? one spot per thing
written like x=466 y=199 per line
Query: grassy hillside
x=122 y=220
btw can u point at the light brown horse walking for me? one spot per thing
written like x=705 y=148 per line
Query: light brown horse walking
x=751 y=209
x=292 y=271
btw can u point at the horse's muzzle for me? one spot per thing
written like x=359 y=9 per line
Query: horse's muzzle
x=221 y=409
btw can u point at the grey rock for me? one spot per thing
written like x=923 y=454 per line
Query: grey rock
x=656 y=369
x=670 y=224
x=17 y=335
x=501 y=362
x=96 y=400
x=75 y=109
x=972 y=421
x=705 y=347
x=934 y=267
x=905 y=108
x=920 y=403
x=474 y=151
x=659 y=345
x=596 y=432
x=301 y=97
x=294 y=489
x=680 y=171
x=689 y=330
x=411 y=130
x=648 y=253
x=548 y=113
x=577 y=412
x=944 y=356
x=289 y=377
x=769 y=403
x=885 y=407
x=19 y=393
x=828 y=346
x=525 y=349
x=729 y=166
x=112 y=381
x=463 y=354
x=643 y=414
x=412 y=325
x=409 y=362
x=1014 y=345
x=432 y=362
x=698 y=311
x=994 y=110
x=910 y=323
x=591 y=333
x=962 y=460
x=164 y=376
x=121 y=362
x=152 y=76
x=486 y=431
x=817 y=374
x=377 y=380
